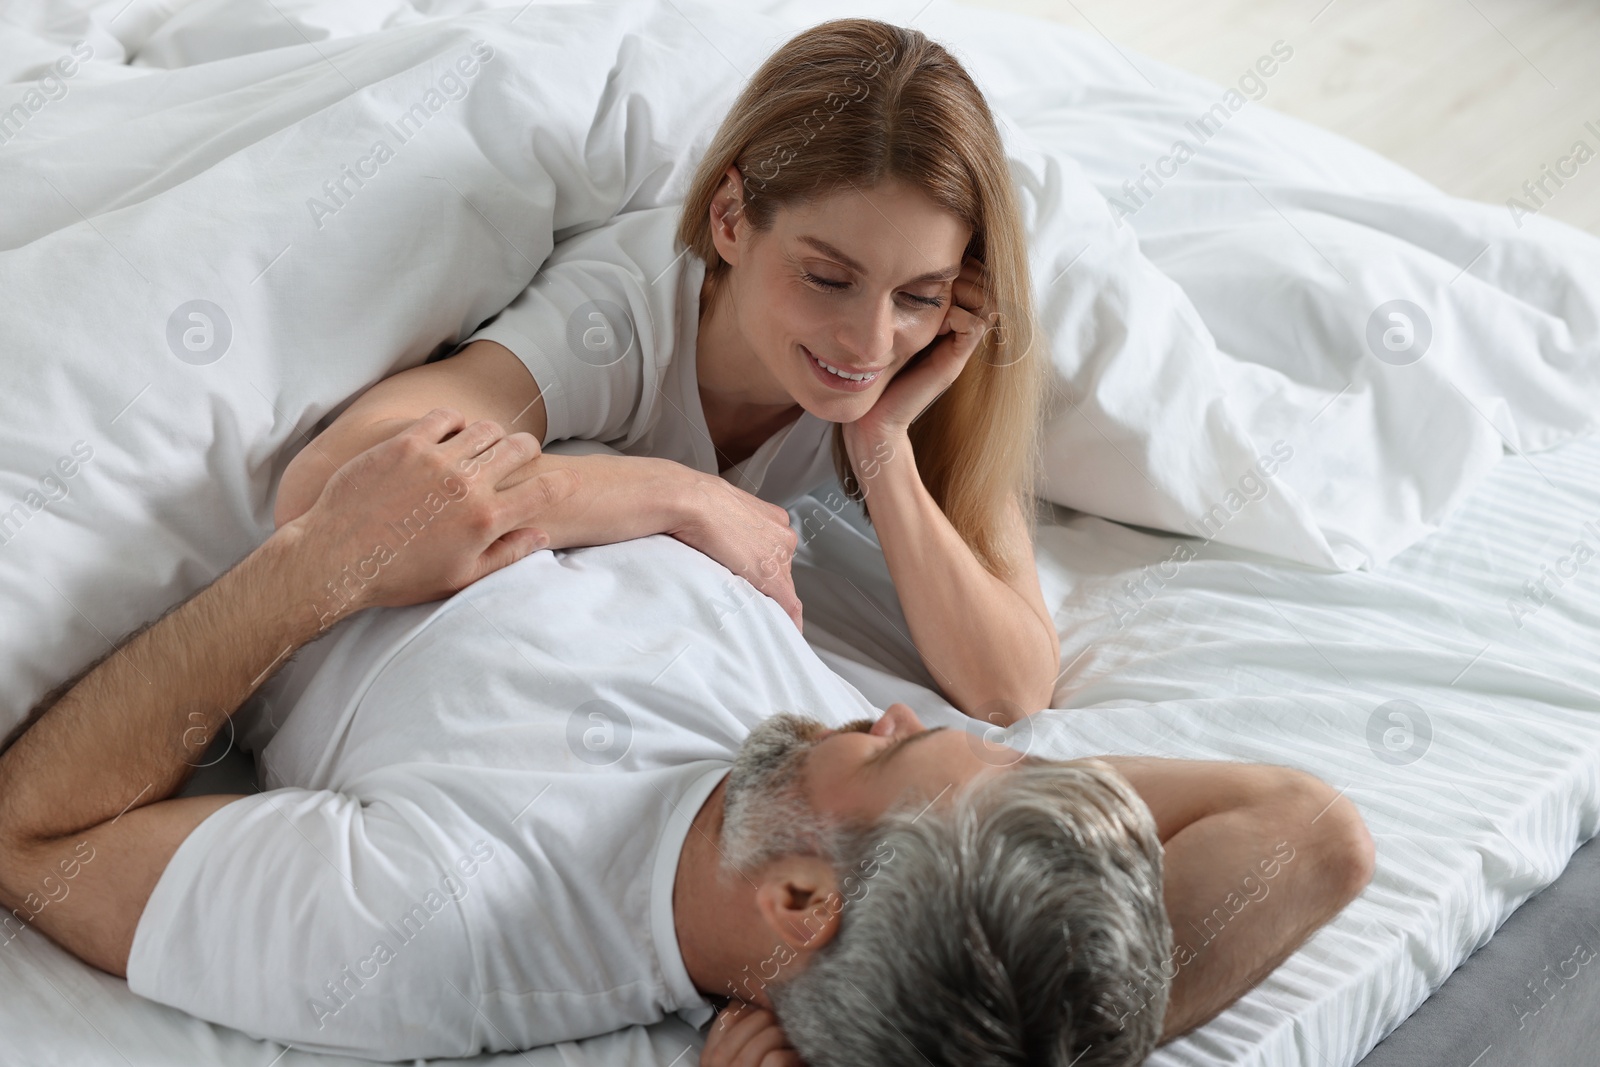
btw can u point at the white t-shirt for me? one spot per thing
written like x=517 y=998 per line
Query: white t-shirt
x=476 y=808
x=608 y=330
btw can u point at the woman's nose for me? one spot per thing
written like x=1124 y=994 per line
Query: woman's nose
x=868 y=334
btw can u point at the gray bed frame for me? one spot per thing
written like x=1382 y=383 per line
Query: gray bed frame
x=1530 y=997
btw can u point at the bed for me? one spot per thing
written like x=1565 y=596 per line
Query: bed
x=1477 y=806
x=1371 y=612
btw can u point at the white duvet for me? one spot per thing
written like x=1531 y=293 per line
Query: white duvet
x=194 y=283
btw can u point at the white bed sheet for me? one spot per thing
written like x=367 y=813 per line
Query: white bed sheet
x=1236 y=656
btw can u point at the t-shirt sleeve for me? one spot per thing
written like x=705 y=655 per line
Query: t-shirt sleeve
x=306 y=917
x=594 y=325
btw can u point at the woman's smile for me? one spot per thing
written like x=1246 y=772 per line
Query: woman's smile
x=839 y=378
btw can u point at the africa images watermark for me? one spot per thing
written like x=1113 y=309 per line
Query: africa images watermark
x=51 y=890
x=853 y=888
x=50 y=87
x=1550 y=983
x=755 y=182
x=52 y=489
x=1251 y=890
x=345 y=590
x=452 y=85
x=342 y=988
x=1539 y=191
x=1552 y=578
x=1203 y=127
x=1250 y=487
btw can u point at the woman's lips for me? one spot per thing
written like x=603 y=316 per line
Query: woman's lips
x=834 y=381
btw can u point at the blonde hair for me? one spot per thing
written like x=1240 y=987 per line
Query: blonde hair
x=858 y=101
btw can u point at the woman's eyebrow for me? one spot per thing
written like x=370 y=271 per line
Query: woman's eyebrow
x=826 y=249
x=888 y=753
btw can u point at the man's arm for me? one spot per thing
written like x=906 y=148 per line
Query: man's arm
x=86 y=828
x=1257 y=858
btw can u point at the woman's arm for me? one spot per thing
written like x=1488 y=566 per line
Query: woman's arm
x=618 y=497
x=989 y=642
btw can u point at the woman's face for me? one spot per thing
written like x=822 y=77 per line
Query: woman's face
x=840 y=293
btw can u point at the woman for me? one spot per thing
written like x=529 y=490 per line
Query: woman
x=854 y=237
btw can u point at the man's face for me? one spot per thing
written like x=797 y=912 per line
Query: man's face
x=794 y=776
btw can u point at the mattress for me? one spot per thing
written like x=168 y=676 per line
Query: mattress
x=1470 y=744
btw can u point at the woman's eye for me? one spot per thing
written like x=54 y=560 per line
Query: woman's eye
x=834 y=286
x=824 y=283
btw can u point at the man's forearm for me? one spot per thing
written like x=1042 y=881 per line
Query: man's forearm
x=1257 y=858
x=1247 y=887
x=130 y=731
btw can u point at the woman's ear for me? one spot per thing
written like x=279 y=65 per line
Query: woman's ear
x=727 y=207
x=799 y=900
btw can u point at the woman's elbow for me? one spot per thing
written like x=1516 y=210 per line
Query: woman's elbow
x=296 y=493
x=1048 y=675
x=1009 y=704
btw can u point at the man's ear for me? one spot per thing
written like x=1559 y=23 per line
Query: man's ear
x=727 y=207
x=799 y=900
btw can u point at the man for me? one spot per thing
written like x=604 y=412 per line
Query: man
x=471 y=842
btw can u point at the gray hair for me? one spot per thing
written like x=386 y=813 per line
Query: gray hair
x=765 y=811
x=1022 y=924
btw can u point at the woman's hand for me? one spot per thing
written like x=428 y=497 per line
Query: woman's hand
x=918 y=384
x=745 y=534
x=744 y=1035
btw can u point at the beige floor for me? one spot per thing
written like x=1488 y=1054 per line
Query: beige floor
x=1477 y=96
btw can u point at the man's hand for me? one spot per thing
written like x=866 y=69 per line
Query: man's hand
x=422 y=515
x=743 y=1035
